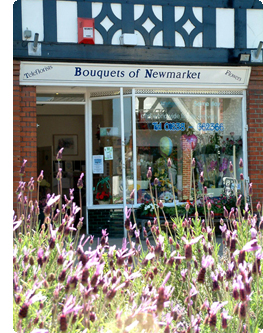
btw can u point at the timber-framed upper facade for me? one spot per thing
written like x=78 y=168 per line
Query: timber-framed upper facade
x=168 y=32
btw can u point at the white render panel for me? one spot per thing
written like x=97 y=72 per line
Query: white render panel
x=158 y=12
x=178 y=13
x=225 y=28
x=116 y=9
x=254 y=27
x=106 y=23
x=67 y=22
x=138 y=10
x=98 y=37
x=198 y=13
x=140 y=39
x=32 y=18
x=96 y=8
x=116 y=37
x=148 y=25
x=198 y=41
x=158 y=39
x=179 y=41
x=188 y=26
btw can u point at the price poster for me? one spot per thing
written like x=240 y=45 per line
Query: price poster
x=108 y=153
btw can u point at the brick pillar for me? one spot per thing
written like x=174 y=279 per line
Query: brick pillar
x=187 y=170
x=24 y=130
x=255 y=132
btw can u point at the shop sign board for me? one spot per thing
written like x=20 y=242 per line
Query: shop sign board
x=81 y=74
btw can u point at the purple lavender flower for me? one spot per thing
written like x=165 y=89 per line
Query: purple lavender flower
x=201 y=178
x=225 y=213
x=30 y=298
x=206 y=262
x=242 y=312
x=22 y=169
x=251 y=246
x=69 y=307
x=80 y=181
x=233 y=241
x=205 y=190
x=183 y=274
x=104 y=238
x=160 y=204
x=193 y=163
x=241 y=163
x=188 y=246
x=215 y=307
x=53 y=200
x=132 y=194
x=231 y=168
x=250 y=190
x=156 y=182
x=225 y=317
x=59 y=154
x=214 y=278
x=256 y=265
x=253 y=232
x=17 y=224
x=238 y=203
x=223 y=229
x=232 y=214
x=235 y=292
x=149 y=173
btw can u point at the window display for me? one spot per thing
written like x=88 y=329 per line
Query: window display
x=180 y=128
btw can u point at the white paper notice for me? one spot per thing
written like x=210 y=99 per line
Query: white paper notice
x=108 y=153
x=98 y=164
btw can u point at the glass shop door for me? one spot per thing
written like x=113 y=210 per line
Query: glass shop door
x=112 y=152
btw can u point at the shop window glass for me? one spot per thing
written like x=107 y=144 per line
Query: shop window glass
x=206 y=128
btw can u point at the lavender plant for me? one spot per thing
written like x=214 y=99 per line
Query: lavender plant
x=62 y=283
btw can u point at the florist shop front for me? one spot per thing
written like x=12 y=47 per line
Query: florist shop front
x=115 y=121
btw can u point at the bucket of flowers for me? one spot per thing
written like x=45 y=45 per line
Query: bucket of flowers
x=103 y=197
x=166 y=196
x=146 y=209
x=103 y=191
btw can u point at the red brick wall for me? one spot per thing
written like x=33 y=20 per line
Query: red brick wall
x=24 y=130
x=187 y=168
x=255 y=132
